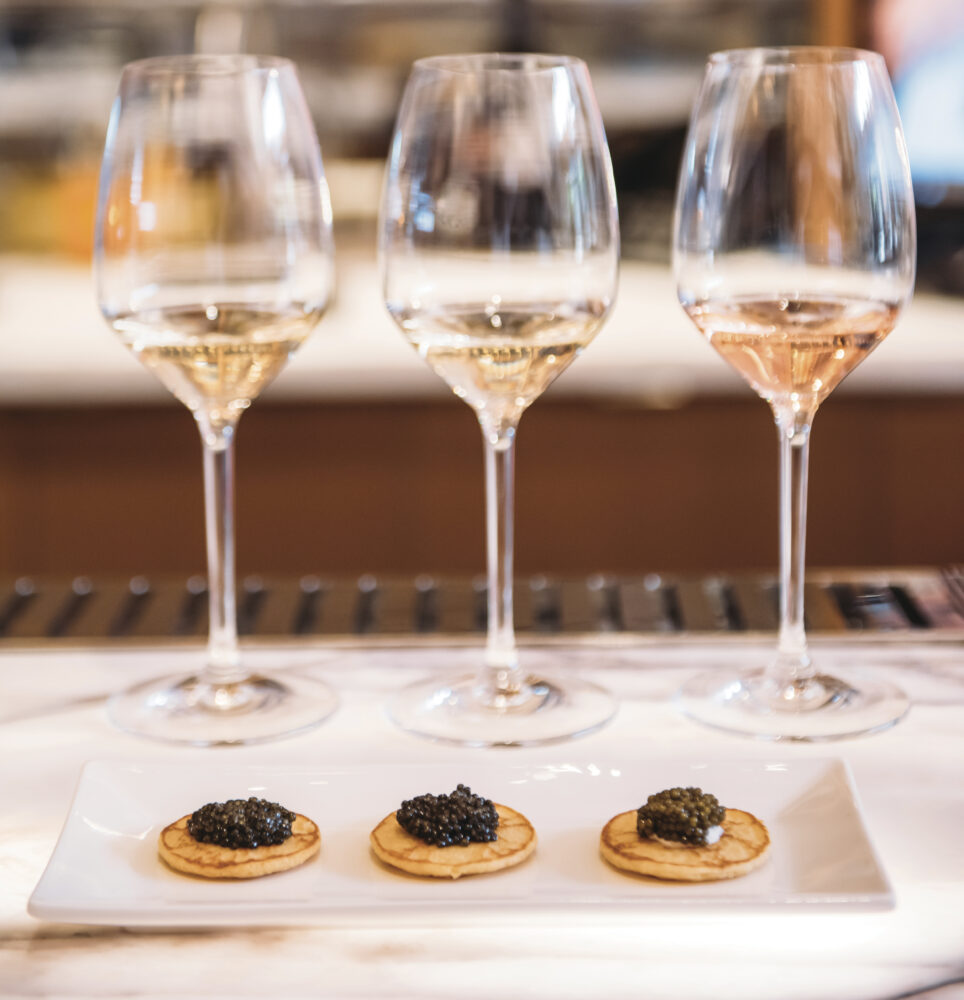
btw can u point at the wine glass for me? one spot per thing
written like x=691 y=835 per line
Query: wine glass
x=794 y=253
x=214 y=260
x=499 y=250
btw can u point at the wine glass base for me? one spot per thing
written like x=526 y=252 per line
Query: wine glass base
x=458 y=711
x=822 y=708
x=188 y=711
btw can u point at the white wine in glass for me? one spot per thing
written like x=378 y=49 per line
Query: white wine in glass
x=214 y=261
x=794 y=253
x=499 y=248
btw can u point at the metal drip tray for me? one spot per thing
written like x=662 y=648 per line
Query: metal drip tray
x=912 y=602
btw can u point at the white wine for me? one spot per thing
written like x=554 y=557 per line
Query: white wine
x=216 y=358
x=501 y=359
x=794 y=351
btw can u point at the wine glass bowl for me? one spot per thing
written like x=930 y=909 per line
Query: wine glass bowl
x=499 y=253
x=794 y=253
x=214 y=260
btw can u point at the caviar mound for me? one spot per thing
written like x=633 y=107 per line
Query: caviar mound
x=180 y=851
x=237 y=823
x=683 y=815
x=396 y=847
x=443 y=820
x=744 y=847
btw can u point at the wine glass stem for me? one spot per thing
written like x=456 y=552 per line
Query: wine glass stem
x=223 y=661
x=503 y=677
x=792 y=665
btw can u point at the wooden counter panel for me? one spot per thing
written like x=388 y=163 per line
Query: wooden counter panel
x=398 y=488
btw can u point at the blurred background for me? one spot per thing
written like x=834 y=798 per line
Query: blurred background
x=650 y=454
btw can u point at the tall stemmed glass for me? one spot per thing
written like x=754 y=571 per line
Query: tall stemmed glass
x=794 y=254
x=499 y=246
x=214 y=260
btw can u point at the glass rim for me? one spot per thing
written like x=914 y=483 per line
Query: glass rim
x=795 y=55
x=498 y=62
x=201 y=64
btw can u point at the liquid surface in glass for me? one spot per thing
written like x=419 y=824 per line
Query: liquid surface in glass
x=501 y=358
x=794 y=349
x=216 y=358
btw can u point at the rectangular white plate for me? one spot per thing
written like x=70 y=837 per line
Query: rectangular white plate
x=105 y=868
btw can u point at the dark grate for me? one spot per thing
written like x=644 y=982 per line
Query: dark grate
x=152 y=609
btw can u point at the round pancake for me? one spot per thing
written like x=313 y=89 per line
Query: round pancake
x=742 y=848
x=398 y=848
x=185 y=854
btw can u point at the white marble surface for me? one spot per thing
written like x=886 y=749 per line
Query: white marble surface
x=56 y=348
x=909 y=780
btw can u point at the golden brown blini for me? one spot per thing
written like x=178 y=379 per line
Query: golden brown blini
x=743 y=847
x=185 y=854
x=398 y=848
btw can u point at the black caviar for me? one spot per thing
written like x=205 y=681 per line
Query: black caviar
x=443 y=820
x=681 y=814
x=241 y=823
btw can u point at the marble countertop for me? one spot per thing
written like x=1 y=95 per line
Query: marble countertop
x=56 y=349
x=908 y=780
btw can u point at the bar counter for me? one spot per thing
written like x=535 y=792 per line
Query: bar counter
x=647 y=353
x=907 y=780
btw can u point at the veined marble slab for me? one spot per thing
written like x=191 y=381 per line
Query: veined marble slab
x=908 y=780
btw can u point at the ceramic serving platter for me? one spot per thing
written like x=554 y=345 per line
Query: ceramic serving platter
x=105 y=868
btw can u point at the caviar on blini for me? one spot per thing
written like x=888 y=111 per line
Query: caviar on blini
x=679 y=814
x=446 y=820
x=241 y=823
